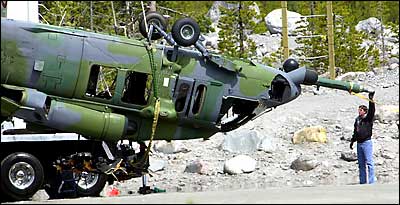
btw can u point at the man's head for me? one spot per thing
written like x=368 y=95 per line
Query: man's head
x=362 y=110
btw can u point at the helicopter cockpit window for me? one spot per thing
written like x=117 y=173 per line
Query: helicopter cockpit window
x=102 y=81
x=137 y=88
x=199 y=99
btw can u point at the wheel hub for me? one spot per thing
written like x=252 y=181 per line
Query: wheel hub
x=88 y=180
x=187 y=32
x=21 y=175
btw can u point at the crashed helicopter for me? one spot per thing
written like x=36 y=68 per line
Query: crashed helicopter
x=111 y=88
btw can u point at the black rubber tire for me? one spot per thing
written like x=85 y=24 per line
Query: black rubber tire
x=11 y=191
x=156 y=17
x=94 y=190
x=177 y=33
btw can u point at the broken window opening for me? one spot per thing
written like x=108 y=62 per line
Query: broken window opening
x=102 y=81
x=181 y=98
x=199 y=99
x=137 y=88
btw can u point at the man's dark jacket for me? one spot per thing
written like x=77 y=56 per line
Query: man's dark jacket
x=363 y=126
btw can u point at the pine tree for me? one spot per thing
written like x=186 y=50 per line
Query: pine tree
x=313 y=38
x=236 y=24
x=349 y=55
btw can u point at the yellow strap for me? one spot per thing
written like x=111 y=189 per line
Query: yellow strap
x=154 y=127
x=153 y=131
x=363 y=97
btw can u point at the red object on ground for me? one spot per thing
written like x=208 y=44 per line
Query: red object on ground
x=113 y=192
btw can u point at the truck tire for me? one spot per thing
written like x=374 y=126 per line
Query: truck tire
x=91 y=184
x=21 y=176
x=156 y=18
x=185 y=31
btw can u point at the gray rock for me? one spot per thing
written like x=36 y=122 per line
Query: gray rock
x=268 y=145
x=169 y=147
x=195 y=167
x=40 y=195
x=304 y=163
x=394 y=66
x=273 y=21
x=387 y=113
x=370 y=25
x=242 y=141
x=349 y=156
x=156 y=165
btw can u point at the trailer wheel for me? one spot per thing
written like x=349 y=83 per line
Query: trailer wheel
x=153 y=17
x=88 y=184
x=91 y=183
x=185 y=31
x=21 y=176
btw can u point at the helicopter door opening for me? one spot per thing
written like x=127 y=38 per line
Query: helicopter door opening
x=102 y=81
x=182 y=95
x=137 y=88
x=200 y=96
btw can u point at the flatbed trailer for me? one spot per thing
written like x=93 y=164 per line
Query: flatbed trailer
x=29 y=163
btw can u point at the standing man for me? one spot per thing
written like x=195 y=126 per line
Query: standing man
x=362 y=134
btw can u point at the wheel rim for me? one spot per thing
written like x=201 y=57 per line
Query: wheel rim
x=187 y=32
x=21 y=175
x=88 y=180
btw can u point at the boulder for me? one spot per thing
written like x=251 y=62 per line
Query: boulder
x=349 y=156
x=240 y=164
x=196 y=166
x=274 y=21
x=242 y=141
x=169 y=147
x=310 y=134
x=370 y=25
x=156 y=164
x=268 y=145
x=387 y=113
x=304 y=163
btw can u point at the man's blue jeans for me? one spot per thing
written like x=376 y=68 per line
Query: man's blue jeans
x=365 y=160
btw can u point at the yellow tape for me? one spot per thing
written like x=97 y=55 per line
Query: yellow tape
x=153 y=131
x=154 y=127
x=363 y=97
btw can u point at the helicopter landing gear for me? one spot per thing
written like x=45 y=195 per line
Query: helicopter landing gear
x=185 y=32
x=153 y=17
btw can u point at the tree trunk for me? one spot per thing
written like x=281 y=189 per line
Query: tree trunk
x=152 y=5
x=241 y=32
x=312 y=12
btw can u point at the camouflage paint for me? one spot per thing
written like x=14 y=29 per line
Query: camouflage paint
x=53 y=40
x=99 y=125
x=188 y=65
x=13 y=63
x=126 y=50
x=254 y=79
